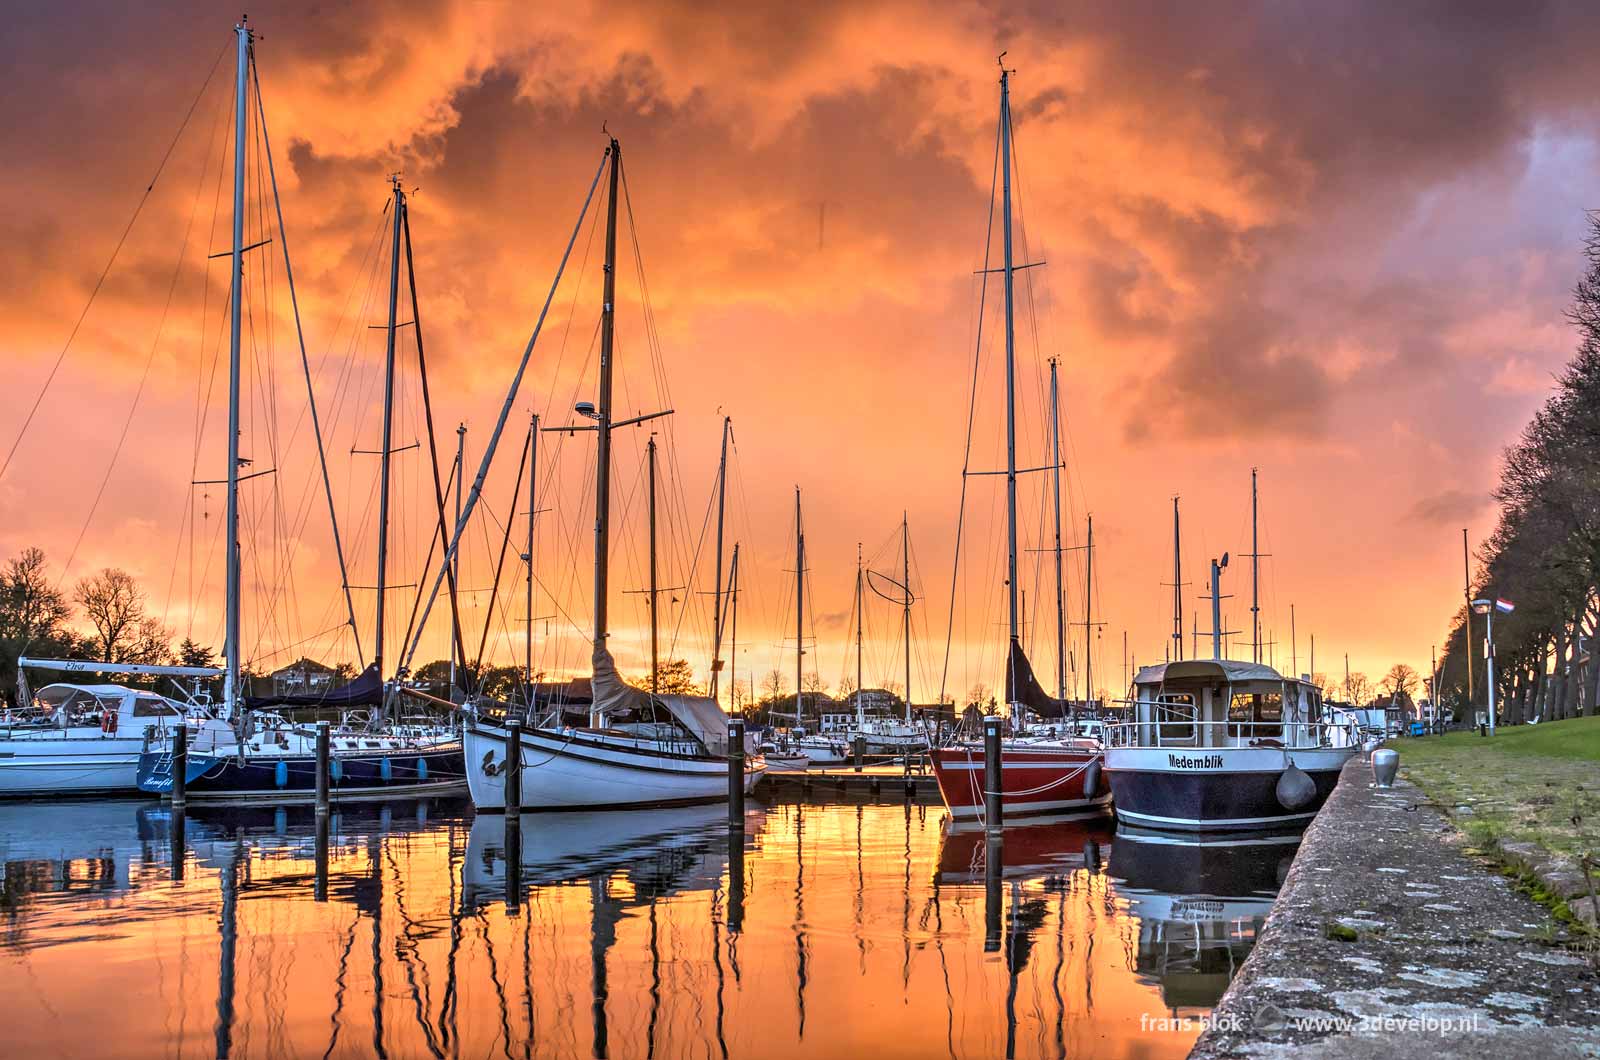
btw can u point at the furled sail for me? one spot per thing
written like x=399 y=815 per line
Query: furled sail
x=1023 y=687
x=699 y=714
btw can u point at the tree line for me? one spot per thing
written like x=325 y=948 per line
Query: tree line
x=1544 y=554
x=106 y=616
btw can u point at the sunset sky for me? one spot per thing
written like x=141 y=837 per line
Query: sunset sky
x=1330 y=241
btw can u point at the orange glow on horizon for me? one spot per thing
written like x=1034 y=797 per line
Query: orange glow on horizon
x=1324 y=268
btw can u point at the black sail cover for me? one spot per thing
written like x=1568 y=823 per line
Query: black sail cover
x=365 y=691
x=1023 y=687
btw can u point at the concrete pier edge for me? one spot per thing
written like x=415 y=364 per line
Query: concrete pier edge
x=1388 y=939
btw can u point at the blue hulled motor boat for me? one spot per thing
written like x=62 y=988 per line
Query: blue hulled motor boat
x=1217 y=745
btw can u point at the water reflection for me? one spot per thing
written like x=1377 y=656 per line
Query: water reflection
x=1200 y=903
x=417 y=930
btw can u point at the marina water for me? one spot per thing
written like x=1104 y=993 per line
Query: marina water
x=405 y=930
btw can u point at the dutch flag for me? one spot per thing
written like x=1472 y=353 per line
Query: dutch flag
x=1505 y=607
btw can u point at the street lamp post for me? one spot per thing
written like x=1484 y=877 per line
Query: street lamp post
x=1487 y=608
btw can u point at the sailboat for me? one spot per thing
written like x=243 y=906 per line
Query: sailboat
x=793 y=742
x=85 y=739
x=640 y=748
x=885 y=734
x=1040 y=777
x=269 y=757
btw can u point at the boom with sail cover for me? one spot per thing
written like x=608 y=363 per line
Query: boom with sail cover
x=699 y=714
x=365 y=691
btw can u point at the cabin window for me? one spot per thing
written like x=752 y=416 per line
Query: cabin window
x=149 y=707
x=1175 y=713
x=1255 y=714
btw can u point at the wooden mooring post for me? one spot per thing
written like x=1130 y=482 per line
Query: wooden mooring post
x=324 y=765
x=993 y=819
x=180 y=767
x=513 y=798
x=736 y=773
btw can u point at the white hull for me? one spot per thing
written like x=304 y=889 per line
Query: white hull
x=69 y=765
x=565 y=770
x=824 y=752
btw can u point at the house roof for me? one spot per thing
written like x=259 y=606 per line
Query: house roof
x=302 y=666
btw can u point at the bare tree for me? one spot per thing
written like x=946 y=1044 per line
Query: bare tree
x=114 y=605
x=773 y=685
x=152 y=643
x=1400 y=681
x=1358 y=689
x=33 y=613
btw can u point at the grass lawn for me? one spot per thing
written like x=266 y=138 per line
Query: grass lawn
x=1539 y=783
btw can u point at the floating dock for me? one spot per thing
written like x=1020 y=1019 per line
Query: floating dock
x=878 y=783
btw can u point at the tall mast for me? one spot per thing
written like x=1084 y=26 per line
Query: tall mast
x=1011 y=374
x=860 y=621
x=1177 y=585
x=1255 y=577
x=455 y=563
x=1088 y=615
x=733 y=650
x=1061 y=596
x=602 y=473
x=388 y=421
x=1216 y=610
x=799 y=608
x=905 y=555
x=232 y=645
x=716 y=596
x=1294 y=645
x=655 y=661
x=527 y=559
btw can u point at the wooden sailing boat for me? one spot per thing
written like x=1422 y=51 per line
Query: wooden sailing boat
x=1040 y=777
x=640 y=748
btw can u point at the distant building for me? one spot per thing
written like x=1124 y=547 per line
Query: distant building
x=877 y=701
x=303 y=677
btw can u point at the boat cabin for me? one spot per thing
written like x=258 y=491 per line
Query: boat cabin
x=90 y=706
x=1221 y=703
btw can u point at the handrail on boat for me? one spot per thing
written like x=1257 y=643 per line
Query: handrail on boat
x=1292 y=734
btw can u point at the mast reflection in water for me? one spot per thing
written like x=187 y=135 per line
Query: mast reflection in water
x=415 y=930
